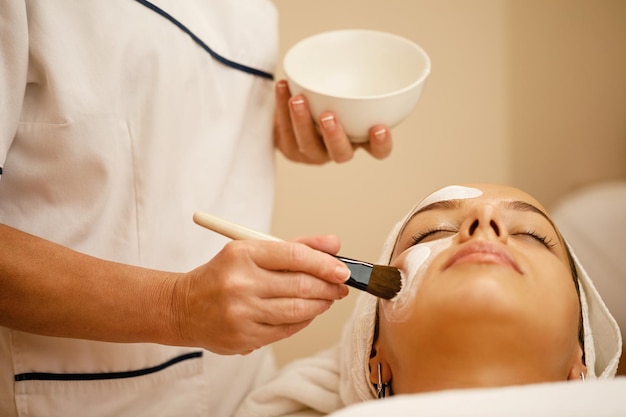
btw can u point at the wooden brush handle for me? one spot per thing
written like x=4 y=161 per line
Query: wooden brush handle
x=360 y=272
x=229 y=229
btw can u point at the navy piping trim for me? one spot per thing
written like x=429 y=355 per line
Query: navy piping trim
x=215 y=55
x=45 y=376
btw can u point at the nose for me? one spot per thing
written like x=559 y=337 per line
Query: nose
x=484 y=221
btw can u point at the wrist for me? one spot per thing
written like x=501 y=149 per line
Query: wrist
x=169 y=301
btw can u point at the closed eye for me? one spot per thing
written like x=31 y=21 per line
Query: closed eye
x=544 y=240
x=431 y=234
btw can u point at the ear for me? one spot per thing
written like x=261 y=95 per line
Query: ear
x=378 y=357
x=578 y=367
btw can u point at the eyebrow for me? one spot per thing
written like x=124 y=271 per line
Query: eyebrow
x=440 y=205
x=524 y=206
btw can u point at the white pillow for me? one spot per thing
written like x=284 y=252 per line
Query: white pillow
x=595 y=398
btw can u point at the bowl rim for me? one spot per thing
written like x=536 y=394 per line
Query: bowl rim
x=419 y=80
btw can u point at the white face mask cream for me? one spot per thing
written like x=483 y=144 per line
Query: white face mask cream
x=419 y=256
x=451 y=192
x=415 y=266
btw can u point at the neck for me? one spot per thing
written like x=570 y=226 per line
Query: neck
x=432 y=378
x=477 y=366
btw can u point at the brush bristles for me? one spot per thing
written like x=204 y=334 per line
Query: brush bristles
x=385 y=282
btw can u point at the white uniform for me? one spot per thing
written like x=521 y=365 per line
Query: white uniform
x=115 y=126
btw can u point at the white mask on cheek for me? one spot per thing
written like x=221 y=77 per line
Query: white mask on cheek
x=416 y=263
x=419 y=257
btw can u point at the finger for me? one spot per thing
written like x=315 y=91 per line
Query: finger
x=294 y=256
x=269 y=333
x=338 y=146
x=298 y=285
x=284 y=136
x=288 y=330
x=328 y=243
x=380 y=142
x=307 y=136
x=287 y=256
x=276 y=322
x=291 y=311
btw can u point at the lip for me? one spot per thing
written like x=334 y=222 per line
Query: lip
x=482 y=252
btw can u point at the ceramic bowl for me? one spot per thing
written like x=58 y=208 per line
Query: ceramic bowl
x=365 y=77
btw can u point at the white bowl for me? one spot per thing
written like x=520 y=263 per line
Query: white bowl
x=365 y=77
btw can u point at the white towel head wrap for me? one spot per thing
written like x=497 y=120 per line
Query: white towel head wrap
x=602 y=336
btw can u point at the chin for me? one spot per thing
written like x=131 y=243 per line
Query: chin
x=486 y=290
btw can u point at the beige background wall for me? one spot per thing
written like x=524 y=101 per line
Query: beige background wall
x=526 y=92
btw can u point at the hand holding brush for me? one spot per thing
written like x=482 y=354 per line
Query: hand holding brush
x=379 y=280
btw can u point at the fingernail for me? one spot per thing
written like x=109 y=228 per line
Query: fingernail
x=343 y=273
x=282 y=85
x=345 y=291
x=380 y=135
x=328 y=122
x=297 y=105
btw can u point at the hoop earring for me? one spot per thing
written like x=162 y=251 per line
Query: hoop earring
x=381 y=387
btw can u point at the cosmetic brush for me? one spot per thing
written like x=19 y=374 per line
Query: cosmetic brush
x=379 y=280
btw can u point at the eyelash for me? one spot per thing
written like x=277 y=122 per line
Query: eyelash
x=544 y=240
x=417 y=238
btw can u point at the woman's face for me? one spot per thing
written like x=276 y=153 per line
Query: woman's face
x=488 y=297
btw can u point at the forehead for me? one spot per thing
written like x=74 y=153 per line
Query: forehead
x=479 y=193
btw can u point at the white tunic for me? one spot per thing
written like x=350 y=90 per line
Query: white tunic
x=115 y=126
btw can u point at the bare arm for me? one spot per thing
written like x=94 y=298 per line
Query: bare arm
x=252 y=293
x=51 y=290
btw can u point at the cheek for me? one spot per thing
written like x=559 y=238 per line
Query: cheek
x=413 y=265
x=555 y=299
x=551 y=275
x=558 y=290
